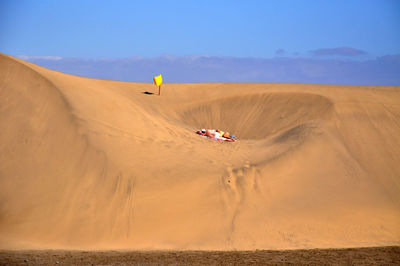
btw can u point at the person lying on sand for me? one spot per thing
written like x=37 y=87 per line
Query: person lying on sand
x=217 y=135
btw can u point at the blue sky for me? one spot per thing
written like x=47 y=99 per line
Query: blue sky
x=217 y=28
x=312 y=41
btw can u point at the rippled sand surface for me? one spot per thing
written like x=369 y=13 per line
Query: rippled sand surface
x=95 y=164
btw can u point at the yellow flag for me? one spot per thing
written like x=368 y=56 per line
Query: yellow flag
x=158 y=80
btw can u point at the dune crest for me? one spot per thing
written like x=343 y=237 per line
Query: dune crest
x=97 y=164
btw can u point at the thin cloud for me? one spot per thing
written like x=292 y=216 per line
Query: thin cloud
x=383 y=70
x=46 y=57
x=343 y=51
x=280 y=52
x=390 y=58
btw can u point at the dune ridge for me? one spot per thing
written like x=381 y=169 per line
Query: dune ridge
x=98 y=164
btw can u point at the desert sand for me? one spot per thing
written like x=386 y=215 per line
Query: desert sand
x=348 y=256
x=97 y=164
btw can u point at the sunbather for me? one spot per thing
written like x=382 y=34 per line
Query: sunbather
x=216 y=134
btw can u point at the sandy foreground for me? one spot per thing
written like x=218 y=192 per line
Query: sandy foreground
x=352 y=256
x=101 y=165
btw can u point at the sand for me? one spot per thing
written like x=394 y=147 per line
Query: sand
x=98 y=165
x=351 y=256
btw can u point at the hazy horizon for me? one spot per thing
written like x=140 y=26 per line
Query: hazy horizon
x=383 y=70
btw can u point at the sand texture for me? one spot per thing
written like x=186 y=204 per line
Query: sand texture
x=351 y=256
x=97 y=164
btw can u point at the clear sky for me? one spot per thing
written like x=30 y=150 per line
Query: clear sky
x=115 y=29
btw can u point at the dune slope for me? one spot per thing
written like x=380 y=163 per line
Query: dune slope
x=96 y=164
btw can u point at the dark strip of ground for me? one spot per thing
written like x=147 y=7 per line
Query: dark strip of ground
x=349 y=256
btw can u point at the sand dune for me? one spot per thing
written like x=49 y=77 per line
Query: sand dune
x=96 y=164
